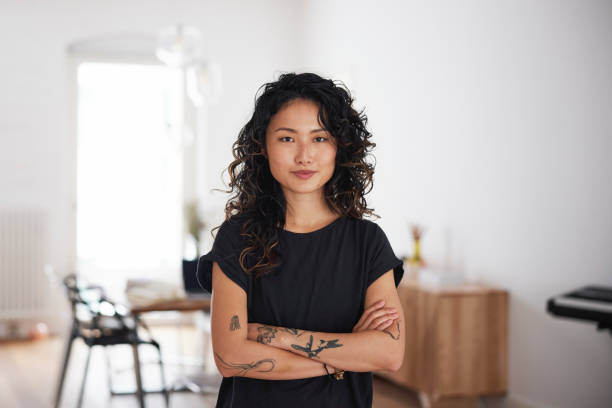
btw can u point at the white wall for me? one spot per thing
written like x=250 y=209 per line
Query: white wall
x=494 y=129
x=251 y=41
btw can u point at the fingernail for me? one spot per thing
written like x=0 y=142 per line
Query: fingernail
x=380 y=302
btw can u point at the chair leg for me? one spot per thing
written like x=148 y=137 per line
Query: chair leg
x=60 y=385
x=139 y=390
x=109 y=371
x=163 y=377
x=84 y=377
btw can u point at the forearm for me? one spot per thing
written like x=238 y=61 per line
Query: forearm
x=367 y=350
x=254 y=360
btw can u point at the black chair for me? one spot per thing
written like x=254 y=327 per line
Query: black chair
x=100 y=322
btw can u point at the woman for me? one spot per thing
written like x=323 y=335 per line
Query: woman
x=304 y=304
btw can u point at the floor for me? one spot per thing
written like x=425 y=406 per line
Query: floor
x=29 y=370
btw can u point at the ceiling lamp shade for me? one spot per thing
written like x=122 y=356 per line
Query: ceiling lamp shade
x=204 y=83
x=178 y=46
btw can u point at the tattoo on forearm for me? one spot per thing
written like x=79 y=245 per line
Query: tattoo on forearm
x=265 y=334
x=235 y=323
x=265 y=365
x=324 y=344
x=391 y=334
x=295 y=332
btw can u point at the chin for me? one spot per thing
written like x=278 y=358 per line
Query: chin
x=304 y=189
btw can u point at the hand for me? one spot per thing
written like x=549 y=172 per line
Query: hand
x=376 y=317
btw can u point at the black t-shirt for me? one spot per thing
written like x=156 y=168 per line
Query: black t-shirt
x=320 y=286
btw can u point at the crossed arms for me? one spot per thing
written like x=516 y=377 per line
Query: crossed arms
x=279 y=353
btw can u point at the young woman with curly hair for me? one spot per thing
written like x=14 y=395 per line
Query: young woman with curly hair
x=304 y=305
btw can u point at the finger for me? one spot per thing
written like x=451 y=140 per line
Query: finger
x=376 y=322
x=382 y=318
x=369 y=315
x=385 y=324
x=374 y=315
x=369 y=310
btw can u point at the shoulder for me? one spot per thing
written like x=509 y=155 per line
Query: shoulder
x=231 y=226
x=373 y=237
x=229 y=234
x=366 y=227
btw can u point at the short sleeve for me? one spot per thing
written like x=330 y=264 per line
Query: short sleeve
x=382 y=258
x=226 y=252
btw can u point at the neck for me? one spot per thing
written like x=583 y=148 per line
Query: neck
x=307 y=210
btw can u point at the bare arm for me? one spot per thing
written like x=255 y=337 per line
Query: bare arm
x=235 y=355
x=366 y=350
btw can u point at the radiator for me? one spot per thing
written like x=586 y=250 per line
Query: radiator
x=24 y=286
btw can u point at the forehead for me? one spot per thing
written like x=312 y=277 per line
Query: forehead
x=296 y=114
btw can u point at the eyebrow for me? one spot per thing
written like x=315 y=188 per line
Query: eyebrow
x=295 y=131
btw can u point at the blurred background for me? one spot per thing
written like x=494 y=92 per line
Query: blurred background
x=493 y=125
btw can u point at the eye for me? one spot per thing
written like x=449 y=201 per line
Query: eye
x=284 y=137
x=321 y=137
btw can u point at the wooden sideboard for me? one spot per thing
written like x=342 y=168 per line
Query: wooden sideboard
x=456 y=343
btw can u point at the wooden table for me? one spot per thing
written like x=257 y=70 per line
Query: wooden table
x=187 y=304
x=178 y=305
x=456 y=343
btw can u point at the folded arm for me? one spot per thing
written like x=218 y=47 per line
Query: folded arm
x=368 y=350
x=235 y=355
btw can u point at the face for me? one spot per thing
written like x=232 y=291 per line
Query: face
x=295 y=141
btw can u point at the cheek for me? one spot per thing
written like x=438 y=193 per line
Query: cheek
x=273 y=168
x=277 y=166
x=331 y=157
x=277 y=161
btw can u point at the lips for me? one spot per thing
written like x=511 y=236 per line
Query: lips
x=303 y=174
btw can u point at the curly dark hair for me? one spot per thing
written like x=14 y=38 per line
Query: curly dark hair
x=258 y=202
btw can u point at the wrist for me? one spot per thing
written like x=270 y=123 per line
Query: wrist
x=285 y=339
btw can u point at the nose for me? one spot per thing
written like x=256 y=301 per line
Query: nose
x=303 y=154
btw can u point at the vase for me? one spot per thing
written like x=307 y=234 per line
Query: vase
x=416 y=260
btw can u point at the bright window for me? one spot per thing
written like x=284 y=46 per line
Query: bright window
x=129 y=182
